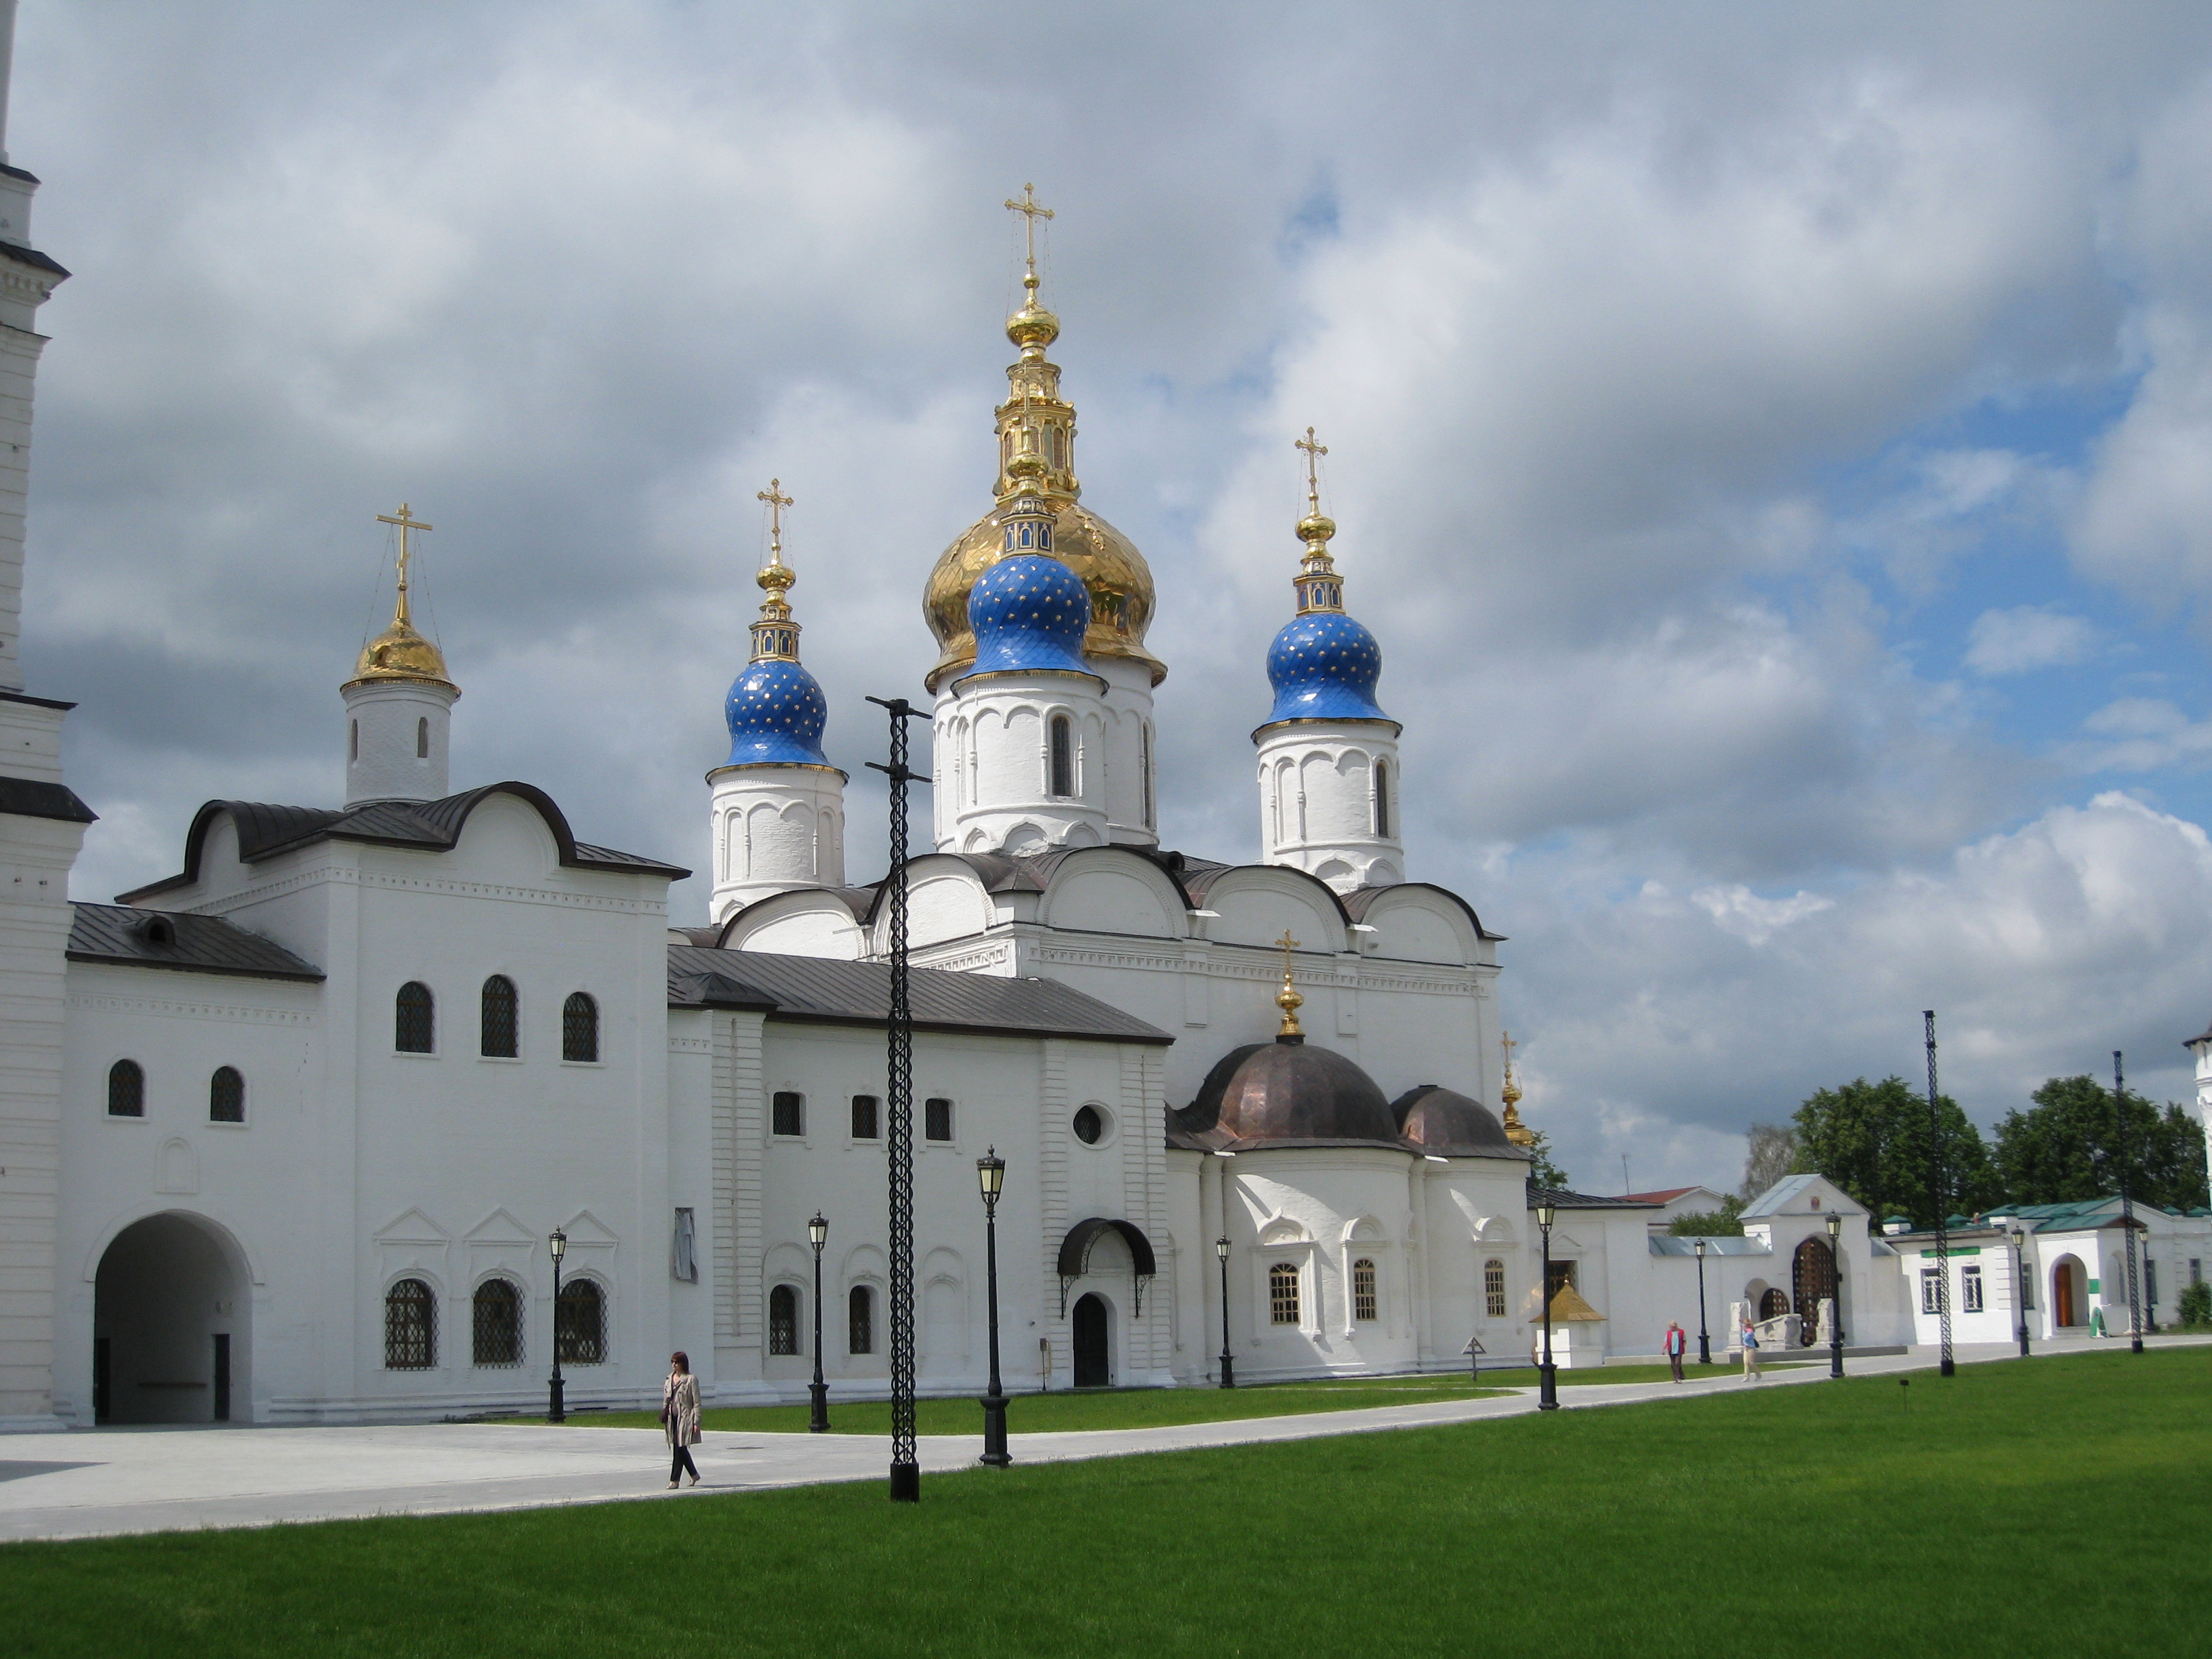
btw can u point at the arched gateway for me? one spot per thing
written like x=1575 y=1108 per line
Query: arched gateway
x=170 y=1324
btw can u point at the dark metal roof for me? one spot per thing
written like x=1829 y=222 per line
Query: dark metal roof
x=32 y=258
x=821 y=990
x=265 y=831
x=195 y=945
x=1075 y=1249
x=29 y=798
x=1436 y=1120
x=1287 y=1091
x=1560 y=1197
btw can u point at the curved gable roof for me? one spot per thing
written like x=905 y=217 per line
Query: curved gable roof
x=265 y=831
x=1360 y=900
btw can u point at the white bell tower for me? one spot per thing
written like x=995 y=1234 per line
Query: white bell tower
x=399 y=703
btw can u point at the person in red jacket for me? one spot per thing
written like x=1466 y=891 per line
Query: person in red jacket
x=1677 y=1340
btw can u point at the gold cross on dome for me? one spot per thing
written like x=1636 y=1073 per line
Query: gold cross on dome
x=1505 y=1041
x=1031 y=210
x=777 y=500
x=1287 y=945
x=1313 y=453
x=407 y=521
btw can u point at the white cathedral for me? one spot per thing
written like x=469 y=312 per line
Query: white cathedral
x=286 y=1136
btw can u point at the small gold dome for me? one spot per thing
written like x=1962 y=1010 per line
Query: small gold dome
x=400 y=653
x=1113 y=571
x=1033 y=326
x=1316 y=527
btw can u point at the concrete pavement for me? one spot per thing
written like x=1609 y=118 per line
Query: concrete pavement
x=95 y=1482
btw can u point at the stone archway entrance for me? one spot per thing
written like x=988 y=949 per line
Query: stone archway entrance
x=170 y=1325
x=1812 y=1281
x=2069 y=1294
x=1094 y=1357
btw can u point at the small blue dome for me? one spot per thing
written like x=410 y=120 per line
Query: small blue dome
x=1029 y=613
x=775 y=712
x=1323 y=666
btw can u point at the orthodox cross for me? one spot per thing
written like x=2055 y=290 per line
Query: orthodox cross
x=1287 y=945
x=777 y=500
x=1032 y=211
x=1313 y=453
x=407 y=521
x=1505 y=1041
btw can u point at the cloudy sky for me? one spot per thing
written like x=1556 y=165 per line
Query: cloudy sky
x=1774 y=446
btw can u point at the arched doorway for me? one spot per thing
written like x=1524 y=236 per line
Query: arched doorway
x=1812 y=1281
x=2070 y=1299
x=1773 y=1304
x=170 y=1336
x=1094 y=1358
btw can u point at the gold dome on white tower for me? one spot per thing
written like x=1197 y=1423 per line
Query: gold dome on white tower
x=400 y=653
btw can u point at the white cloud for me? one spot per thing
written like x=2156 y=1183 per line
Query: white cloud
x=2140 y=734
x=2025 y=637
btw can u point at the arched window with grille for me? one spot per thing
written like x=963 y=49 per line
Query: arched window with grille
x=498 y=1323
x=126 y=1090
x=410 y=1326
x=1363 y=1289
x=865 y=1120
x=1382 y=799
x=422 y=739
x=783 y=1320
x=497 y=1019
x=225 y=1096
x=579 y=1028
x=860 y=1320
x=1493 y=1288
x=580 y=1323
x=1283 y=1293
x=1061 y=781
x=414 y=1020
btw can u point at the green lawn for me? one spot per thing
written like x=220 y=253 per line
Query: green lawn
x=2054 y=1507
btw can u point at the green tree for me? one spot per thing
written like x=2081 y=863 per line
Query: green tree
x=1727 y=1222
x=1872 y=1139
x=1542 y=1169
x=2069 y=1146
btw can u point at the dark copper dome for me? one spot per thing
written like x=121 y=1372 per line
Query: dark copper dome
x=1435 y=1119
x=1288 y=1092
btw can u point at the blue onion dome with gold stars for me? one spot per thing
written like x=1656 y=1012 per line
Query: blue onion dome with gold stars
x=1028 y=611
x=776 y=710
x=1323 y=665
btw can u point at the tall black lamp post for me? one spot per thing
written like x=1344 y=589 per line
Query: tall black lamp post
x=991 y=1176
x=1940 y=1201
x=1547 y=1378
x=1228 y=1365
x=2127 y=1202
x=1835 y=1294
x=555 y=1412
x=2019 y=1282
x=817 y=1418
x=1704 y=1342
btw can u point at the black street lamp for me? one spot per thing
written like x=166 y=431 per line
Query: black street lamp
x=991 y=1176
x=1547 y=1378
x=2019 y=1282
x=1228 y=1365
x=1939 y=1200
x=1704 y=1342
x=1835 y=1294
x=817 y=1418
x=555 y=1412
x=2127 y=1202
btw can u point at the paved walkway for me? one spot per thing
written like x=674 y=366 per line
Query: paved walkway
x=94 y=1482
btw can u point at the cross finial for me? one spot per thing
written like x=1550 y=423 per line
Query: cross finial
x=1313 y=453
x=1031 y=210
x=1288 y=999
x=1506 y=1041
x=777 y=500
x=407 y=521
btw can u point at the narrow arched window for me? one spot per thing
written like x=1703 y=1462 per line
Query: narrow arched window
x=225 y=1096
x=579 y=1028
x=354 y=751
x=1382 y=799
x=495 y=1019
x=1062 y=781
x=787 y=1113
x=865 y=1119
x=126 y=1090
x=1283 y=1293
x=783 y=1321
x=498 y=1323
x=410 y=1326
x=580 y=1323
x=1144 y=768
x=1493 y=1288
x=1363 y=1289
x=860 y=1320
x=423 y=739
x=414 y=1020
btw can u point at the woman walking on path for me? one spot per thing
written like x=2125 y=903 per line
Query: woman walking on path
x=1750 y=1354
x=679 y=1417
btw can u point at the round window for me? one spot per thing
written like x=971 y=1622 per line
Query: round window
x=1090 y=1126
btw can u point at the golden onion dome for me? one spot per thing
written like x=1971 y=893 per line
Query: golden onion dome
x=400 y=653
x=1114 y=573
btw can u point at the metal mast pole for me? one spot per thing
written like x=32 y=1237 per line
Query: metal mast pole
x=2127 y=1203
x=906 y=1465
x=1949 y=1366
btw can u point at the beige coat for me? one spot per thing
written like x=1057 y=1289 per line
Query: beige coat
x=679 y=1400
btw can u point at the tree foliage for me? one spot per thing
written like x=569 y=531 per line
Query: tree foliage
x=1872 y=1141
x=1727 y=1222
x=2077 y=1142
x=1542 y=1169
x=1770 y=1153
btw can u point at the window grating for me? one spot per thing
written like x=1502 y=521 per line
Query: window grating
x=787 y=1114
x=580 y=1323
x=1493 y=1288
x=1283 y=1293
x=783 y=1321
x=1363 y=1289
x=410 y=1331
x=126 y=1090
x=866 y=1119
x=860 y=1320
x=415 y=1020
x=225 y=1096
x=497 y=1323
x=497 y=1020
x=579 y=1028
x=936 y=1119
